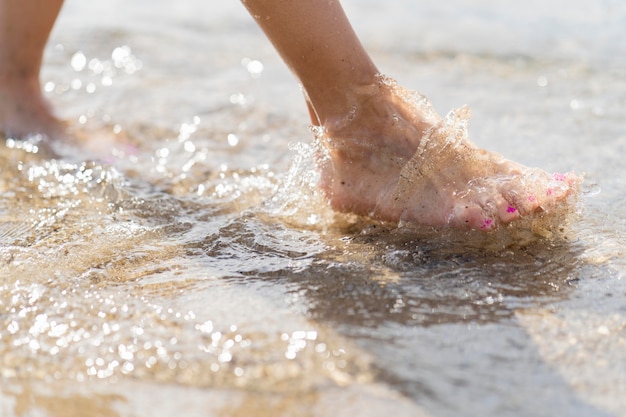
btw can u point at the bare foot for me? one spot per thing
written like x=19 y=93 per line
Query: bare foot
x=24 y=112
x=26 y=116
x=393 y=158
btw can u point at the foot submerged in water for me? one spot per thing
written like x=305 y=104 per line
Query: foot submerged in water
x=24 y=112
x=27 y=118
x=394 y=159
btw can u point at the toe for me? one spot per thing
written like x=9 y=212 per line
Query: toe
x=562 y=185
x=471 y=216
x=507 y=212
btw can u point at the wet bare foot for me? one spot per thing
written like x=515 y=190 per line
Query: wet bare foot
x=24 y=112
x=25 y=115
x=393 y=158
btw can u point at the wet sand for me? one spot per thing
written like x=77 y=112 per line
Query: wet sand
x=189 y=266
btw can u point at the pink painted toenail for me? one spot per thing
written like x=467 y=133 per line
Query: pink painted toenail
x=550 y=191
x=511 y=209
x=487 y=224
x=558 y=177
x=532 y=198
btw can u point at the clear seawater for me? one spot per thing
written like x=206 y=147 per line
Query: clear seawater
x=183 y=263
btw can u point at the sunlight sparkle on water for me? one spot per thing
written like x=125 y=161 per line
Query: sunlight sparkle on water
x=254 y=67
x=232 y=139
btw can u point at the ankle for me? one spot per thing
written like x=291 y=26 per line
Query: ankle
x=381 y=106
x=340 y=107
x=334 y=99
x=19 y=84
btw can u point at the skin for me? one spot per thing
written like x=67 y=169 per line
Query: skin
x=24 y=29
x=383 y=151
x=322 y=50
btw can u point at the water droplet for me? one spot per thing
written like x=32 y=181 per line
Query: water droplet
x=590 y=189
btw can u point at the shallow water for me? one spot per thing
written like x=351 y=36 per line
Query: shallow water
x=195 y=262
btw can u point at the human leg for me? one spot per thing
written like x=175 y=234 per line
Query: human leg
x=24 y=29
x=317 y=42
x=387 y=153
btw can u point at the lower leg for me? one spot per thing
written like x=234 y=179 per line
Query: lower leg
x=24 y=29
x=317 y=42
